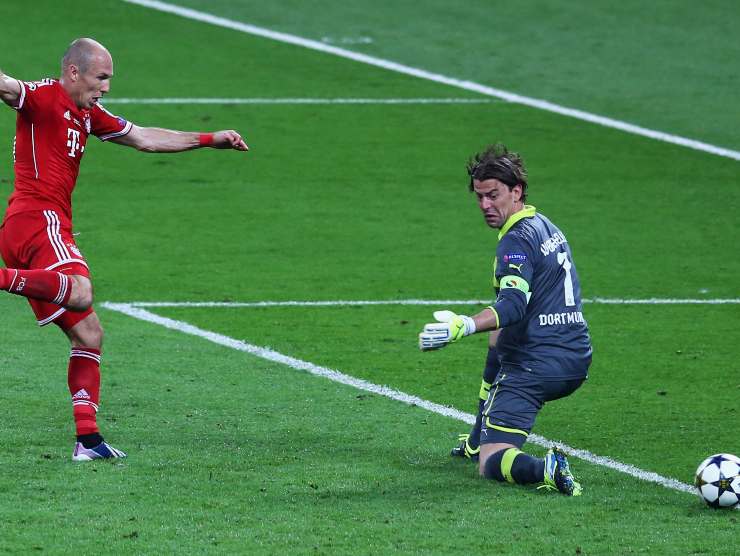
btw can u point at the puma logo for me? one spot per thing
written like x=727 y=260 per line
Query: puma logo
x=517 y=267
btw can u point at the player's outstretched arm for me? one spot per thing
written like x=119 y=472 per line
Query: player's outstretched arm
x=158 y=140
x=10 y=89
x=451 y=327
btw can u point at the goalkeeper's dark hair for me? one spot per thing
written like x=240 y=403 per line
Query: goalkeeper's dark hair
x=496 y=162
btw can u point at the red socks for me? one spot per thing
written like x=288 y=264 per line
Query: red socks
x=45 y=285
x=83 y=375
x=83 y=378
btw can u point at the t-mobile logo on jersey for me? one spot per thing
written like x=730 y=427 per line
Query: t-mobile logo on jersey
x=73 y=141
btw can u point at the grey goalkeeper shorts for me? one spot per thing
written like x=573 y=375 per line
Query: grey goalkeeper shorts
x=514 y=401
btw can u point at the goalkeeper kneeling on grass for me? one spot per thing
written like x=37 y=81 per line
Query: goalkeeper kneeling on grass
x=540 y=349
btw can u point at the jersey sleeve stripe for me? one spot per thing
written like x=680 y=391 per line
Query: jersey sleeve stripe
x=495 y=314
x=103 y=108
x=33 y=152
x=121 y=133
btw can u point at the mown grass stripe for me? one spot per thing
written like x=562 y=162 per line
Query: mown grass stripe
x=435 y=302
x=299 y=101
x=337 y=376
x=436 y=77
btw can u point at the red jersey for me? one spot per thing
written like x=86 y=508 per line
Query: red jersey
x=50 y=137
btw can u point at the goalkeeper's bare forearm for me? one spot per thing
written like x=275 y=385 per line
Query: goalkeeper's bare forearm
x=486 y=320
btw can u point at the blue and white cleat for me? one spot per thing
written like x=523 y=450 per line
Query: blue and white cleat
x=101 y=451
x=558 y=475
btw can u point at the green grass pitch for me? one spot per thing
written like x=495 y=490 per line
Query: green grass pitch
x=230 y=453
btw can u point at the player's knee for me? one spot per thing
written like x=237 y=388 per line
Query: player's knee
x=490 y=467
x=81 y=297
x=95 y=337
x=87 y=333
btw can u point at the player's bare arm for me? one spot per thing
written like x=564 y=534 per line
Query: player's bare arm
x=486 y=320
x=10 y=89
x=158 y=140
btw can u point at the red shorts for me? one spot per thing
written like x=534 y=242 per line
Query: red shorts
x=42 y=239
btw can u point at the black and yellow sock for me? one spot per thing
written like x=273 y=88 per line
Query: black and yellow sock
x=514 y=466
x=489 y=375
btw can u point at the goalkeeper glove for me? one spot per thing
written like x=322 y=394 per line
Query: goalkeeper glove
x=450 y=328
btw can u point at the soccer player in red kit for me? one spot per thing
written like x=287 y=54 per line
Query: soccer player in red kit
x=54 y=120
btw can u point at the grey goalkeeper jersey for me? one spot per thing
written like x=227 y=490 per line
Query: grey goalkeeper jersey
x=539 y=300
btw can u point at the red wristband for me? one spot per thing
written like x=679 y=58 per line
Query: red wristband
x=205 y=139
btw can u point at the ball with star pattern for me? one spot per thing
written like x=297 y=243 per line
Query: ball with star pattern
x=718 y=481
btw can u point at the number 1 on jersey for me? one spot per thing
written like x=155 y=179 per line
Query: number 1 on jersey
x=563 y=261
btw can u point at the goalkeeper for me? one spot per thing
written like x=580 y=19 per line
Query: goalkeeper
x=540 y=348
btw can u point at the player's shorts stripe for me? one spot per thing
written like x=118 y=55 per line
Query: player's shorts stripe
x=489 y=403
x=47 y=320
x=58 y=235
x=507 y=429
x=50 y=233
x=63 y=285
x=485 y=388
x=22 y=97
x=52 y=230
x=66 y=261
x=33 y=152
x=124 y=131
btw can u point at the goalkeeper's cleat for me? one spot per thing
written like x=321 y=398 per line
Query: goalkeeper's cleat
x=464 y=450
x=101 y=451
x=557 y=474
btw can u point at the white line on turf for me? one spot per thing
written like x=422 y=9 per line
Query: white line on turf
x=289 y=101
x=336 y=376
x=436 y=302
x=436 y=77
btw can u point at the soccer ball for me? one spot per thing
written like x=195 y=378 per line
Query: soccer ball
x=718 y=481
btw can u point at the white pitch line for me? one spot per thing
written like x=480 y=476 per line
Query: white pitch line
x=437 y=302
x=436 y=77
x=337 y=376
x=300 y=101
x=660 y=301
